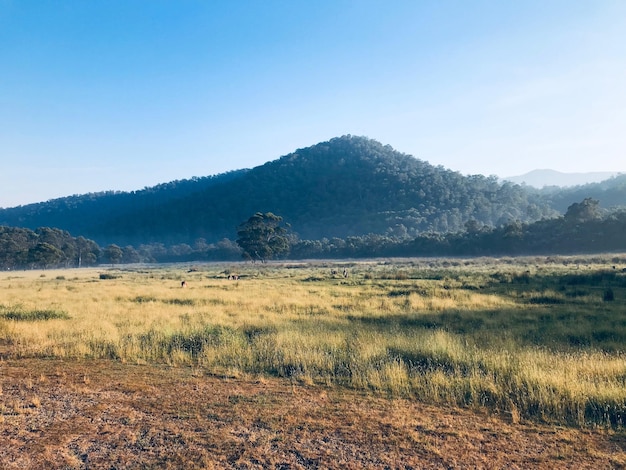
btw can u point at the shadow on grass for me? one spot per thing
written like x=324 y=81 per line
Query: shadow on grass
x=556 y=327
x=560 y=311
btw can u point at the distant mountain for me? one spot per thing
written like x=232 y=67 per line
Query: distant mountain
x=345 y=187
x=542 y=178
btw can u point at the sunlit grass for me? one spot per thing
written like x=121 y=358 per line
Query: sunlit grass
x=534 y=339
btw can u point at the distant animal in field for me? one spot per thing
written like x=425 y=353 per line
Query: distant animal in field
x=333 y=272
x=183 y=284
x=345 y=272
x=233 y=277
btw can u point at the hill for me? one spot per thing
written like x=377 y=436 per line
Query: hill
x=543 y=178
x=611 y=194
x=346 y=186
x=84 y=214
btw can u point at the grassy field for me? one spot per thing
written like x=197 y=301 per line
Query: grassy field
x=539 y=339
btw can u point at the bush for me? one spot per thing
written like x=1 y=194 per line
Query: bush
x=108 y=276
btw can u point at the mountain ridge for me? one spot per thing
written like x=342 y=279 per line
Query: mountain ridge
x=541 y=178
x=347 y=186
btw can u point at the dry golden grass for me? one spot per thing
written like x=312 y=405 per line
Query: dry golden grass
x=500 y=336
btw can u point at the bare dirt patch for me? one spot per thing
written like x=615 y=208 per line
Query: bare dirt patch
x=105 y=414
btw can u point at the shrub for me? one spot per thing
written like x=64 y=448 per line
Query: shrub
x=108 y=276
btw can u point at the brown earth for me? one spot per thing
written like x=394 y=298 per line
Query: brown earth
x=104 y=414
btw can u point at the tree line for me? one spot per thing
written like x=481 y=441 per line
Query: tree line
x=44 y=248
x=585 y=228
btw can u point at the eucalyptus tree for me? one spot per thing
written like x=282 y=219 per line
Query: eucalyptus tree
x=263 y=236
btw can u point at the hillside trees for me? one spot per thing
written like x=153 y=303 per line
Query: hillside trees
x=610 y=193
x=348 y=186
x=585 y=230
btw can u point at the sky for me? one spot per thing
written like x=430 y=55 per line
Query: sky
x=126 y=94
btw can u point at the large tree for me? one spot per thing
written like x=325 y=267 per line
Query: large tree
x=588 y=209
x=263 y=236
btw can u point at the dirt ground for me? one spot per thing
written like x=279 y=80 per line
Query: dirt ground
x=104 y=414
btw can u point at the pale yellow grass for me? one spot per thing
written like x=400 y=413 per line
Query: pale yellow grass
x=334 y=331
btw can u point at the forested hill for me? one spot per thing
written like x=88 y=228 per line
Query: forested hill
x=611 y=193
x=346 y=186
x=86 y=213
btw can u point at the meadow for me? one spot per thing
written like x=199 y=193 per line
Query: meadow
x=536 y=339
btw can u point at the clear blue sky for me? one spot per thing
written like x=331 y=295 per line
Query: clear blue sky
x=119 y=95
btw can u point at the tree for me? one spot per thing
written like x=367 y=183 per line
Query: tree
x=588 y=209
x=44 y=254
x=263 y=237
x=87 y=251
x=113 y=253
x=130 y=255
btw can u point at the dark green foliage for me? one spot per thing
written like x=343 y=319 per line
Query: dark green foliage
x=545 y=300
x=610 y=193
x=609 y=295
x=44 y=248
x=348 y=186
x=97 y=215
x=113 y=254
x=263 y=237
x=44 y=255
x=105 y=276
x=553 y=236
x=588 y=209
x=348 y=197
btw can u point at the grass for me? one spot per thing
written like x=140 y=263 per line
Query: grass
x=19 y=314
x=536 y=339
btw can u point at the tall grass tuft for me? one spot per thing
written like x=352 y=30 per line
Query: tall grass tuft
x=21 y=314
